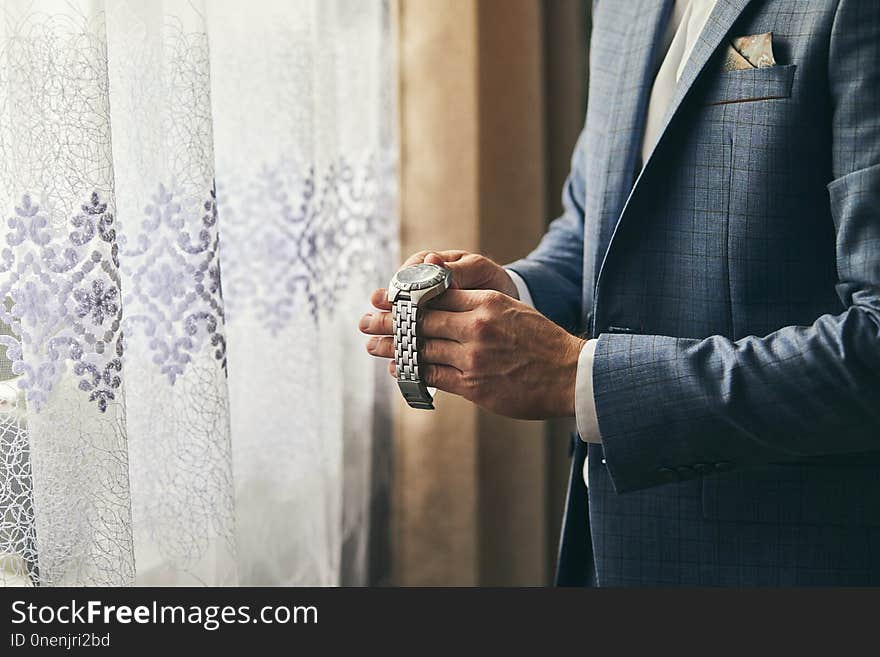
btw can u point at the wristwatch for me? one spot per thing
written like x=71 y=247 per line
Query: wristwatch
x=410 y=288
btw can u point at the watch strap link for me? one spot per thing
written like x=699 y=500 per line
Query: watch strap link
x=404 y=315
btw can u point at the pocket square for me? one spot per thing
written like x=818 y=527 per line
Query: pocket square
x=746 y=52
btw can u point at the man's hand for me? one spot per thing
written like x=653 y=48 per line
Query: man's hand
x=489 y=348
x=470 y=271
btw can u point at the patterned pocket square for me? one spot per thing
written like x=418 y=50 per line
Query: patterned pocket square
x=747 y=52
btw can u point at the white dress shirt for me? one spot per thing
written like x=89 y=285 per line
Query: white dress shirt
x=686 y=22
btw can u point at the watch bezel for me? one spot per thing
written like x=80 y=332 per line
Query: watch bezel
x=439 y=276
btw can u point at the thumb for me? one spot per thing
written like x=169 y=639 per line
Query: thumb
x=436 y=259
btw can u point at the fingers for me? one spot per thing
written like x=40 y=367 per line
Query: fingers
x=442 y=377
x=376 y=324
x=449 y=259
x=433 y=324
x=452 y=261
x=379 y=299
x=451 y=256
x=442 y=324
x=381 y=346
x=415 y=258
x=443 y=352
x=434 y=259
x=463 y=300
x=453 y=299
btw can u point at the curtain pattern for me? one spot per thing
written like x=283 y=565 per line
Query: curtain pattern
x=198 y=198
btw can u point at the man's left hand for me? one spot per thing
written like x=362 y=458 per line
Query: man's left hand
x=490 y=349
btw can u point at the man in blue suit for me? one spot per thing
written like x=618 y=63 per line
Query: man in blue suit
x=708 y=305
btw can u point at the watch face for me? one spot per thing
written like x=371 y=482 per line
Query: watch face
x=418 y=277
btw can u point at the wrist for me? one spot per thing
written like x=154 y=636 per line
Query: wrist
x=506 y=285
x=570 y=361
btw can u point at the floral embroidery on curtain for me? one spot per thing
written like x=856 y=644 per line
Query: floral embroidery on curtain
x=192 y=224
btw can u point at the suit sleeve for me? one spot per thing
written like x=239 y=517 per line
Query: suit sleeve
x=554 y=270
x=666 y=405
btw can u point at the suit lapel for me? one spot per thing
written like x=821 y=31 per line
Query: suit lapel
x=629 y=34
x=638 y=55
x=720 y=21
x=713 y=35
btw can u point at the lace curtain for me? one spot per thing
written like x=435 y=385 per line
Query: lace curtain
x=198 y=200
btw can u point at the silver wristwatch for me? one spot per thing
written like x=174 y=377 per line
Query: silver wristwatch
x=410 y=288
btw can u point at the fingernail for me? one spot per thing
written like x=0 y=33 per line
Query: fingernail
x=365 y=322
x=372 y=343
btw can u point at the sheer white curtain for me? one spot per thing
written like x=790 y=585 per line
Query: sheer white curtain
x=198 y=198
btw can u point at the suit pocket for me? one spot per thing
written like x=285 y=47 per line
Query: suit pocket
x=749 y=85
x=797 y=494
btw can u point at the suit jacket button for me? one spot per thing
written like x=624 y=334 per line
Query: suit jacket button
x=723 y=466
x=668 y=474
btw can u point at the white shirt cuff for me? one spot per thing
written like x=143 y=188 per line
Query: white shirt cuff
x=584 y=403
x=521 y=288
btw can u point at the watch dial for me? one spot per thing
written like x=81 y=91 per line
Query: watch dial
x=419 y=274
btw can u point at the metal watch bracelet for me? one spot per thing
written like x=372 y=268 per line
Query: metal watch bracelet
x=404 y=315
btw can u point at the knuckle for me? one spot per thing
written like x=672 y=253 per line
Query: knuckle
x=476 y=360
x=386 y=324
x=493 y=298
x=483 y=325
x=480 y=325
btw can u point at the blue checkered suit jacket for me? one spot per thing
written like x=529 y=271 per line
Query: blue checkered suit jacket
x=734 y=287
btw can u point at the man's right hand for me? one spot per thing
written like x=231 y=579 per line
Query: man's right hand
x=470 y=271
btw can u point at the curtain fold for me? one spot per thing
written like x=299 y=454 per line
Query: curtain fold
x=198 y=198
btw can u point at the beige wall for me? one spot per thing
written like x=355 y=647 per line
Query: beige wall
x=471 y=489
